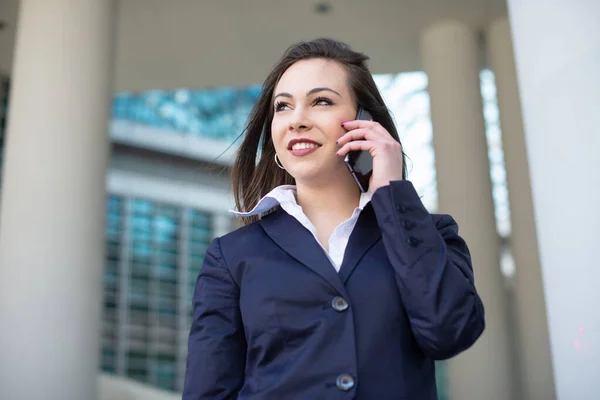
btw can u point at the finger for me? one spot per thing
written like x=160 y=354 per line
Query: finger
x=359 y=123
x=357 y=134
x=366 y=145
x=374 y=126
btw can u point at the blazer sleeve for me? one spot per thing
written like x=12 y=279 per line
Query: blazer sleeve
x=216 y=345
x=433 y=271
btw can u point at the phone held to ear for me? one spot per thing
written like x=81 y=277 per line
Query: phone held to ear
x=360 y=163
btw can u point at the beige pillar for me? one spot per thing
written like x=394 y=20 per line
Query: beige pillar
x=52 y=211
x=451 y=59
x=533 y=342
x=557 y=57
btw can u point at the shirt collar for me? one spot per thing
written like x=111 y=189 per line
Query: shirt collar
x=287 y=194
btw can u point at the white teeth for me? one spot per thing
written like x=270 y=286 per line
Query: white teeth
x=304 y=145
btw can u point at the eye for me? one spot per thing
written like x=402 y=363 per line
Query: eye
x=280 y=106
x=323 y=101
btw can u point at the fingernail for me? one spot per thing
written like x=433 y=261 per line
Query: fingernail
x=337 y=142
x=343 y=123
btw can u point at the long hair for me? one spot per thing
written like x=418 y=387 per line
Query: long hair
x=255 y=174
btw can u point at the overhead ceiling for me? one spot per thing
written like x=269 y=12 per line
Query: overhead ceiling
x=208 y=43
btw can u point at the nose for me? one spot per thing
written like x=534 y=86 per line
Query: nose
x=299 y=121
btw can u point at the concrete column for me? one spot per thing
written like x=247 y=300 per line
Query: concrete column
x=557 y=53
x=451 y=58
x=537 y=379
x=52 y=211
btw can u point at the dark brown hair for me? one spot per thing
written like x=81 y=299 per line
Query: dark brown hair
x=254 y=175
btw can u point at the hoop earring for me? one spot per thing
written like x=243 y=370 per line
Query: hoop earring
x=278 y=163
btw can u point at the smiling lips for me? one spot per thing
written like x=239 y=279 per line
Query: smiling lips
x=301 y=147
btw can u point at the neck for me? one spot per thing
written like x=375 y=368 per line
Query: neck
x=334 y=200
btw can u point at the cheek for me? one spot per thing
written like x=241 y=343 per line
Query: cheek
x=277 y=132
x=334 y=129
x=332 y=125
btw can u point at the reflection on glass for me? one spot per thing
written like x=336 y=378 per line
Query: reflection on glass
x=163 y=240
x=140 y=207
x=407 y=99
x=218 y=113
x=497 y=169
x=495 y=152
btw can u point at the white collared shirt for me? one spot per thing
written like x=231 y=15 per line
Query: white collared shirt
x=285 y=196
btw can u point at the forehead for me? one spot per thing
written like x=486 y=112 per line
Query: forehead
x=305 y=75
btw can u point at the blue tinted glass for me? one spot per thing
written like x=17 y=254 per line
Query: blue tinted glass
x=138 y=298
x=217 y=113
x=108 y=359
x=110 y=278
x=139 y=287
x=141 y=207
x=196 y=261
x=164 y=373
x=197 y=249
x=167 y=289
x=112 y=233
x=141 y=223
x=167 y=305
x=113 y=252
x=199 y=218
x=201 y=234
x=166 y=272
x=141 y=248
x=165 y=229
x=114 y=203
x=141 y=234
x=114 y=220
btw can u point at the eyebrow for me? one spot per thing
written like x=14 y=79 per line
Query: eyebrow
x=310 y=92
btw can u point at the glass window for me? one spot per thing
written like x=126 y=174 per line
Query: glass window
x=149 y=251
x=216 y=113
x=108 y=359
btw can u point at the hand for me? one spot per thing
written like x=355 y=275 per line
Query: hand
x=386 y=152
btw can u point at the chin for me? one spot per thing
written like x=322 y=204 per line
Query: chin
x=313 y=175
x=305 y=177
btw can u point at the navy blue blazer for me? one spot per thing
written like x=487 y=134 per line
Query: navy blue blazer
x=273 y=320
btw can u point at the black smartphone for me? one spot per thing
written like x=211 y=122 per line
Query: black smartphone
x=360 y=163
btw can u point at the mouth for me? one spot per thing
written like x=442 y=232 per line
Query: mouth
x=302 y=147
x=301 y=144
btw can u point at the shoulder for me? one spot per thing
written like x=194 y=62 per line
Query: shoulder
x=442 y=220
x=241 y=242
x=235 y=248
x=241 y=236
x=445 y=223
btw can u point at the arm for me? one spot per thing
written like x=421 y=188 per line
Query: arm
x=216 y=346
x=433 y=272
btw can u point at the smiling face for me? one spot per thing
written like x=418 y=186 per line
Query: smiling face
x=311 y=101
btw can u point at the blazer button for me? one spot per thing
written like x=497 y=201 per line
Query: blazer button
x=402 y=209
x=344 y=382
x=408 y=225
x=413 y=241
x=339 y=304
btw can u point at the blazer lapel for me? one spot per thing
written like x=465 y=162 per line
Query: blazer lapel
x=365 y=234
x=297 y=241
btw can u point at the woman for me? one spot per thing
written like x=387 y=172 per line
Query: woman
x=327 y=292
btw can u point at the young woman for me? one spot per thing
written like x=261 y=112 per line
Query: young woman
x=327 y=292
